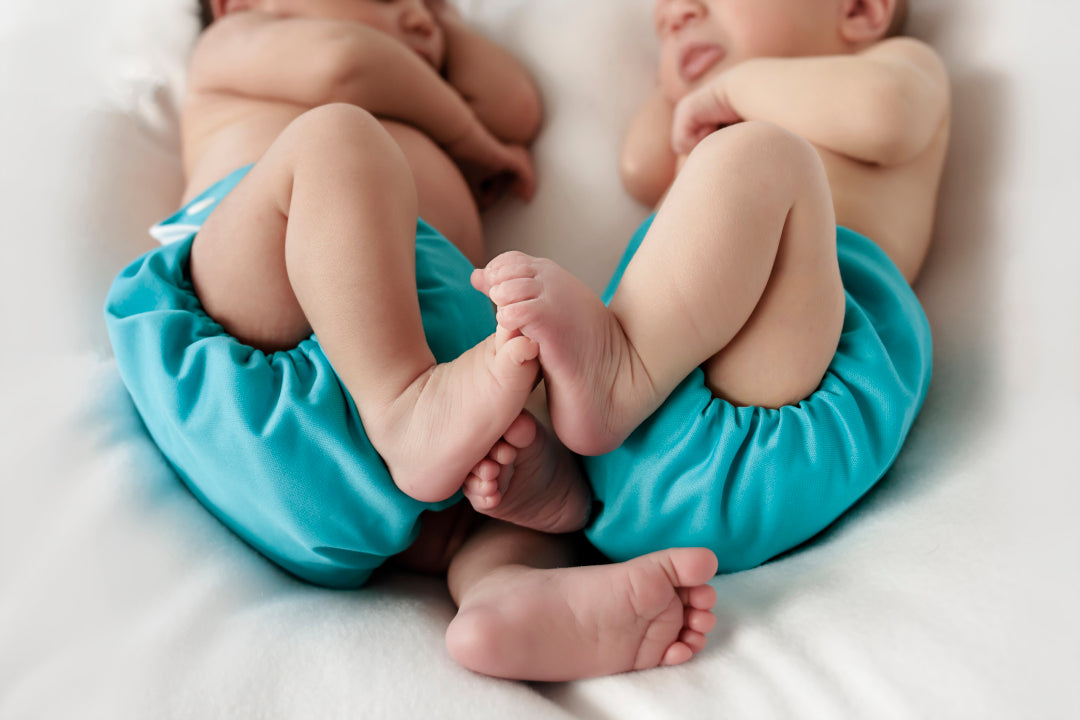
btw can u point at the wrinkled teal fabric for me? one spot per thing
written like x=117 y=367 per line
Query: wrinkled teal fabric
x=271 y=443
x=750 y=483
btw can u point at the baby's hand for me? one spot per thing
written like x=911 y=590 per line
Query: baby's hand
x=491 y=167
x=701 y=113
x=487 y=188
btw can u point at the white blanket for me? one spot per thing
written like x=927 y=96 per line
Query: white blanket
x=947 y=592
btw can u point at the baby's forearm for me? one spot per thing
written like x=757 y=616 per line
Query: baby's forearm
x=314 y=62
x=496 y=86
x=388 y=80
x=853 y=105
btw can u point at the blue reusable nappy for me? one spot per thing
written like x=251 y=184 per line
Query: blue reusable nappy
x=750 y=483
x=271 y=443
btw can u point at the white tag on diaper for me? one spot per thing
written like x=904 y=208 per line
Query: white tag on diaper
x=173 y=232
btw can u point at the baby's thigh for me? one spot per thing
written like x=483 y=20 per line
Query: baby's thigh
x=781 y=353
x=238 y=262
x=445 y=201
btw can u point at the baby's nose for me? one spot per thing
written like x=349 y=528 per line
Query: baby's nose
x=674 y=14
x=418 y=18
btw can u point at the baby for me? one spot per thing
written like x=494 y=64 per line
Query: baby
x=779 y=359
x=348 y=133
x=319 y=235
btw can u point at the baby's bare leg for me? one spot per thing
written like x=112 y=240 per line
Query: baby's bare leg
x=442 y=534
x=737 y=273
x=321 y=235
x=524 y=615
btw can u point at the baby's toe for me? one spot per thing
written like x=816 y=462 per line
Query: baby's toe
x=519 y=351
x=701 y=621
x=693 y=639
x=503 y=453
x=702 y=597
x=487 y=470
x=522 y=432
x=515 y=290
x=509 y=265
x=483 y=494
x=677 y=654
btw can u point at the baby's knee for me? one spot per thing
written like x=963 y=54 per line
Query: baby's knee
x=335 y=130
x=756 y=146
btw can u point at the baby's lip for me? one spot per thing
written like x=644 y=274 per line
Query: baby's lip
x=697 y=59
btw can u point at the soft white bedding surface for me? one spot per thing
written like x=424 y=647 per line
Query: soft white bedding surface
x=948 y=592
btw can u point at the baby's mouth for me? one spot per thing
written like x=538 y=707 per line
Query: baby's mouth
x=696 y=60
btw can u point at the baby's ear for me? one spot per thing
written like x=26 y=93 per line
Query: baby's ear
x=863 y=22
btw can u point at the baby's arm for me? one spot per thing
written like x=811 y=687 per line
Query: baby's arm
x=311 y=62
x=493 y=82
x=881 y=106
x=647 y=164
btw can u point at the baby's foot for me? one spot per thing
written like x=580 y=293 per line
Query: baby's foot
x=597 y=389
x=449 y=418
x=528 y=479
x=571 y=623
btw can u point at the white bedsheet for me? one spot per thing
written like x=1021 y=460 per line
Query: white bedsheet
x=946 y=593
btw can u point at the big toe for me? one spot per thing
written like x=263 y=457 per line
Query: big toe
x=480 y=280
x=517 y=357
x=688 y=567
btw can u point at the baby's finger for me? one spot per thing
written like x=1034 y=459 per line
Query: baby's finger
x=688 y=128
x=697 y=116
x=524 y=173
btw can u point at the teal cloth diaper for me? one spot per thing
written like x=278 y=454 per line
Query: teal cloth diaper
x=271 y=443
x=750 y=483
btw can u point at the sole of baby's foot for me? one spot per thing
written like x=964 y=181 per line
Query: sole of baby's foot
x=597 y=393
x=571 y=623
x=530 y=480
x=448 y=419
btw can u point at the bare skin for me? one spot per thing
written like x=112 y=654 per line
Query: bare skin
x=519 y=619
x=875 y=110
x=270 y=268
x=531 y=480
x=741 y=278
x=770 y=289
x=354 y=134
x=356 y=296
